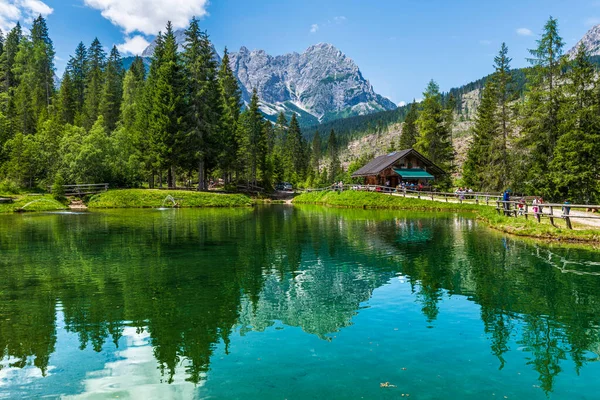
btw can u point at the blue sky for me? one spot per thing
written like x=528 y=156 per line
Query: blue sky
x=399 y=45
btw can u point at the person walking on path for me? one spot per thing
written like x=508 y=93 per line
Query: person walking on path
x=506 y=199
x=566 y=209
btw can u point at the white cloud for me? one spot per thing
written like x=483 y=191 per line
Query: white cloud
x=524 y=32
x=339 y=20
x=485 y=42
x=149 y=16
x=402 y=104
x=314 y=28
x=133 y=45
x=13 y=11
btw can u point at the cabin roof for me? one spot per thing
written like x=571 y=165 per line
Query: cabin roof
x=385 y=161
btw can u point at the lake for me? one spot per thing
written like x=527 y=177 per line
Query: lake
x=281 y=302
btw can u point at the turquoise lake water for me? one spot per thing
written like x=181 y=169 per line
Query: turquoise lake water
x=289 y=302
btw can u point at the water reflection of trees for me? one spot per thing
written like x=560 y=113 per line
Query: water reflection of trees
x=190 y=280
x=552 y=314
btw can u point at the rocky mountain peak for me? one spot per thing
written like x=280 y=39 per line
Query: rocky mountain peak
x=318 y=85
x=591 y=41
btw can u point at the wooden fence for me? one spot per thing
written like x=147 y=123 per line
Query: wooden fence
x=84 y=189
x=509 y=208
x=525 y=209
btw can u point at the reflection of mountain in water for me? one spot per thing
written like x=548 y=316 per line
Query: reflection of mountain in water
x=187 y=280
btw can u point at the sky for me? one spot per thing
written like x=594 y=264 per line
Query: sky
x=399 y=45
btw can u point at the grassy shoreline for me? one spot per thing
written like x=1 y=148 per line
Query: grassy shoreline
x=38 y=203
x=486 y=214
x=154 y=198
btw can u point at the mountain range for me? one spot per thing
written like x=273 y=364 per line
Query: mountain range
x=320 y=85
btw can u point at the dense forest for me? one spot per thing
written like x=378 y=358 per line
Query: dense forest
x=546 y=141
x=181 y=121
x=178 y=122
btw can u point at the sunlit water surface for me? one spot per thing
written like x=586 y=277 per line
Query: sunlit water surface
x=298 y=303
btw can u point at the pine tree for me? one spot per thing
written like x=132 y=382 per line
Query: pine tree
x=167 y=106
x=283 y=162
x=502 y=82
x=231 y=101
x=435 y=135
x=96 y=62
x=23 y=70
x=409 y=135
x=43 y=64
x=316 y=153
x=575 y=167
x=112 y=92
x=297 y=153
x=11 y=48
x=477 y=171
x=334 y=158
x=251 y=135
x=67 y=99
x=77 y=68
x=204 y=100
x=133 y=89
x=540 y=127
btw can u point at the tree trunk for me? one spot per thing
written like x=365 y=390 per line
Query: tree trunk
x=160 y=179
x=201 y=182
x=170 y=177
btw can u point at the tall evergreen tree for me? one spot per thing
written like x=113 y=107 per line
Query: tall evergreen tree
x=231 y=101
x=204 y=100
x=43 y=60
x=67 y=100
x=540 y=127
x=11 y=48
x=502 y=82
x=334 y=157
x=477 y=171
x=435 y=135
x=316 y=152
x=575 y=167
x=96 y=63
x=252 y=143
x=24 y=75
x=112 y=91
x=409 y=135
x=297 y=151
x=133 y=85
x=77 y=68
x=167 y=106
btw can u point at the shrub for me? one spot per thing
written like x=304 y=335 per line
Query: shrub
x=10 y=187
x=58 y=187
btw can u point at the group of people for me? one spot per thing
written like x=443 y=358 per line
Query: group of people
x=408 y=186
x=537 y=205
x=461 y=192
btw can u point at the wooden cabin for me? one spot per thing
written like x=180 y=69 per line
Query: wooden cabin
x=400 y=166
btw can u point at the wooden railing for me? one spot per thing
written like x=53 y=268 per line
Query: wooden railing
x=84 y=189
x=466 y=197
x=509 y=208
x=518 y=208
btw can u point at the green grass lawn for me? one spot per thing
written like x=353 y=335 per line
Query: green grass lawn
x=150 y=198
x=517 y=226
x=38 y=203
